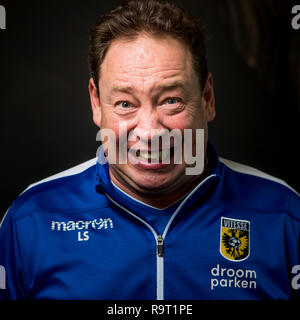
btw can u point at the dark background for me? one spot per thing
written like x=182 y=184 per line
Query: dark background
x=46 y=120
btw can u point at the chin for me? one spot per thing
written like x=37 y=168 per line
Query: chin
x=150 y=186
x=153 y=181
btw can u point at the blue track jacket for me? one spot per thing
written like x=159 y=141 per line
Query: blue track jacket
x=236 y=235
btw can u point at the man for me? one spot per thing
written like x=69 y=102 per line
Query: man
x=132 y=225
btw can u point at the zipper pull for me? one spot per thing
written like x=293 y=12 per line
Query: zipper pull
x=160 y=246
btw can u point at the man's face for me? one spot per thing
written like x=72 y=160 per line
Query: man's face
x=150 y=83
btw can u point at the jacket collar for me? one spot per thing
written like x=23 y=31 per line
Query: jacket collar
x=211 y=177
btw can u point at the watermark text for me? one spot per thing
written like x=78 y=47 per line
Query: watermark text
x=156 y=147
x=296 y=278
x=2 y=278
x=296 y=18
x=2 y=18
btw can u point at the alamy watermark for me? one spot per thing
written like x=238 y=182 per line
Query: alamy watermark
x=2 y=17
x=2 y=278
x=296 y=19
x=167 y=147
x=296 y=278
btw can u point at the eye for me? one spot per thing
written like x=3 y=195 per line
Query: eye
x=124 y=104
x=172 y=100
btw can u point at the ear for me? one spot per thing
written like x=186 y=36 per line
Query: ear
x=95 y=103
x=209 y=98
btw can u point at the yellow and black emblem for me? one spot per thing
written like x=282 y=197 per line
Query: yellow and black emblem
x=235 y=239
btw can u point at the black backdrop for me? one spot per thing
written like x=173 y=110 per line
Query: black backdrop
x=46 y=123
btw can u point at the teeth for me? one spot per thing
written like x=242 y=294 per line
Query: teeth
x=154 y=156
x=151 y=155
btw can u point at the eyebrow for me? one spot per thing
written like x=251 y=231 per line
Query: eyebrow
x=159 y=88
x=125 y=89
x=170 y=86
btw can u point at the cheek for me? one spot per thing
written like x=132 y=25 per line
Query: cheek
x=116 y=132
x=188 y=120
x=109 y=130
x=185 y=120
x=109 y=121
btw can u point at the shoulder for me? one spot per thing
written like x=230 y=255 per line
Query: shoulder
x=254 y=188
x=68 y=174
x=255 y=173
x=71 y=189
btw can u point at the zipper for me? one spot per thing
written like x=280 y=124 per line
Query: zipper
x=160 y=238
x=160 y=268
x=160 y=246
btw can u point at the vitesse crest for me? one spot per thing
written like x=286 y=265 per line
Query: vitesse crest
x=235 y=239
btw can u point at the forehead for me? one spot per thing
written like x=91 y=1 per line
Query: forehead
x=146 y=56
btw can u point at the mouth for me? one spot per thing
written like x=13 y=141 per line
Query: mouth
x=154 y=156
x=150 y=159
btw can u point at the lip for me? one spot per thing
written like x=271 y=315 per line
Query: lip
x=149 y=149
x=149 y=165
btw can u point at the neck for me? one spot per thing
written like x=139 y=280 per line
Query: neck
x=158 y=199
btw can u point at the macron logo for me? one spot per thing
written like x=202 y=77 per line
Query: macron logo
x=96 y=224
x=82 y=226
x=2 y=278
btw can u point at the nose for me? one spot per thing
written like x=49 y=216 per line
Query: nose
x=149 y=125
